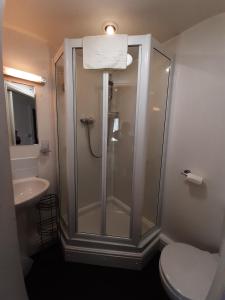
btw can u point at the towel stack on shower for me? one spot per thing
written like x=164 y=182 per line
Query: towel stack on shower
x=105 y=52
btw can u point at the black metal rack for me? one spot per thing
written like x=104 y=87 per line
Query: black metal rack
x=48 y=224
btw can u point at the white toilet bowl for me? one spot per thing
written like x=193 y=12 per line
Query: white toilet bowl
x=187 y=272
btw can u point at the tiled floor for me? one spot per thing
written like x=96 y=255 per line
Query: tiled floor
x=52 y=278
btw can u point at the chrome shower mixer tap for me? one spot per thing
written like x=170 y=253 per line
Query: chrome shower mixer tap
x=87 y=121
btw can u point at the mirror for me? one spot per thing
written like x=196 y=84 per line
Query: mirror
x=21 y=113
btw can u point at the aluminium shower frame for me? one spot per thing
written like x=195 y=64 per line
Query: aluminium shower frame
x=135 y=251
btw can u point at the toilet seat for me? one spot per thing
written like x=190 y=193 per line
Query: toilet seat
x=172 y=293
x=187 y=271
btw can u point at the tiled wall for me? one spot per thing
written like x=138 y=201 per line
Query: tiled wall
x=24 y=167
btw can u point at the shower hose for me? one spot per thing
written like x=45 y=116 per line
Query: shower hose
x=89 y=143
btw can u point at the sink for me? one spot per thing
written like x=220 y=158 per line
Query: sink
x=29 y=190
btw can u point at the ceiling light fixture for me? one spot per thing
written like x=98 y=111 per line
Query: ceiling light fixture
x=23 y=75
x=110 y=28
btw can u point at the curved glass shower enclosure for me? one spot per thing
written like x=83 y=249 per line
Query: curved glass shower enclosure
x=111 y=128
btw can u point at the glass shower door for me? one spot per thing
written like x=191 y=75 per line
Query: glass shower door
x=120 y=147
x=104 y=159
x=88 y=111
x=156 y=117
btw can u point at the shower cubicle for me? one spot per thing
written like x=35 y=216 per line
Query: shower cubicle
x=111 y=131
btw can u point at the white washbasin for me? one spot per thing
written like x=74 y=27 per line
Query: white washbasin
x=28 y=190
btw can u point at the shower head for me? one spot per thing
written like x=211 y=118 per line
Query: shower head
x=87 y=121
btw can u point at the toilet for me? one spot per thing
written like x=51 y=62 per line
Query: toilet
x=187 y=272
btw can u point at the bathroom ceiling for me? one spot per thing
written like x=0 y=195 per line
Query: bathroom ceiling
x=52 y=20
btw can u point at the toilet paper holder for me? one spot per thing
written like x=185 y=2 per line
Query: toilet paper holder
x=192 y=178
x=185 y=173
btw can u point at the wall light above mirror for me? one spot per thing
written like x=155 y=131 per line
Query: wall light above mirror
x=23 y=75
x=21 y=113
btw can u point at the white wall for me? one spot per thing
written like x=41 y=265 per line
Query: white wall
x=11 y=278
x=197 y=136
x=30 y=54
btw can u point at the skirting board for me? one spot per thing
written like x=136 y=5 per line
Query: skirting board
x=164 y=240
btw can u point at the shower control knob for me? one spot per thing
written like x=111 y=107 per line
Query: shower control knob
x=87 y=121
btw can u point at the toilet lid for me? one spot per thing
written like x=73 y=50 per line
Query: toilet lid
x=188 y=270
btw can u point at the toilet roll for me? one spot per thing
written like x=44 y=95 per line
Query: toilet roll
x=194 y=179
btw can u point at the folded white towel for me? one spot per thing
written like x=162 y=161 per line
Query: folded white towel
x=105 y=52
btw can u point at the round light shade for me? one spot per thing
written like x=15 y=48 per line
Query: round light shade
x=129 y=59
